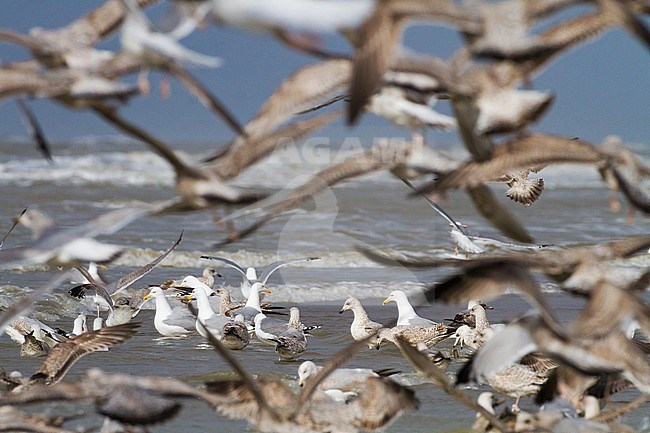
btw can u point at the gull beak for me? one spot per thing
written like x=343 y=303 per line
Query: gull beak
x=386 y=301
x=102 y=267
x=189 y=298
x=341 y=312
x=266 y=290
x=146 y=297
x=301 y=383
x=213 y=294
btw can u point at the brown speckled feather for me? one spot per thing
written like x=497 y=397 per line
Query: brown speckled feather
x=534 y=150
x=350 y=167
x=234 y=162
x=65 y=354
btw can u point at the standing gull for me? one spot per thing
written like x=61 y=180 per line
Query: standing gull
x=361 y=326
x=167 y=321
x=206 y=319
x=406 y=313
x=267 y=330
x=290 y=344
x=235 y=335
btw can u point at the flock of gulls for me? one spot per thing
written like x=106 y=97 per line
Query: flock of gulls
x=575 y=366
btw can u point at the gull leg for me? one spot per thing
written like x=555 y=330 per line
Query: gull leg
x=165 y=87
x=515 y=407
x=143 y=82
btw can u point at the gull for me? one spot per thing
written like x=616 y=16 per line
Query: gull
x=414 y=334
x=98 y=323
x=589 y=352
x=408 y=109
x=13 y=419
x=234 y=334
x=298 y=15
x=290 y=344
x=67 y=246
x=130 y=399
x=252 y=306
x=533 y=150
x=32 y=346
x=71 y=45
x=476 y=336
x=156 y=48
x=167 y=321
x=506 y=25
x=522 y=189
x=508 y=110
x=267 y=330
x=73 y=88
x=251 y=275
x=163 y=51
x=197 y=186
x=517 y=379
x=65 y=354
x=85 y=75
x=579 y=269
x=458 y=233
x=342 y=379
x=120 y=312
x=22 y=326
x=226 y=305
x=379 y=38
x=402 y=158
x=79 y=326
x=192 y=282
x=466 y=317
x=207 y=276
x=272 y=406
x=406 y=313
x=245 y=151
x=297 y=94
x=361 y=327
x=206 y=319
x=299 y=91
x=627 y=175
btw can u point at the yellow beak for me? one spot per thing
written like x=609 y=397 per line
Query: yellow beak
x=386 y=301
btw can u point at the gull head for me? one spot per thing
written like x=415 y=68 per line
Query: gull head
x=260 y=288
x=154 y=292
x=306 y=370
x=251 y=274
x=349 y=304
x=394 y=296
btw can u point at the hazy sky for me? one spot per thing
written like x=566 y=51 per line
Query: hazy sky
x=601 y=88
